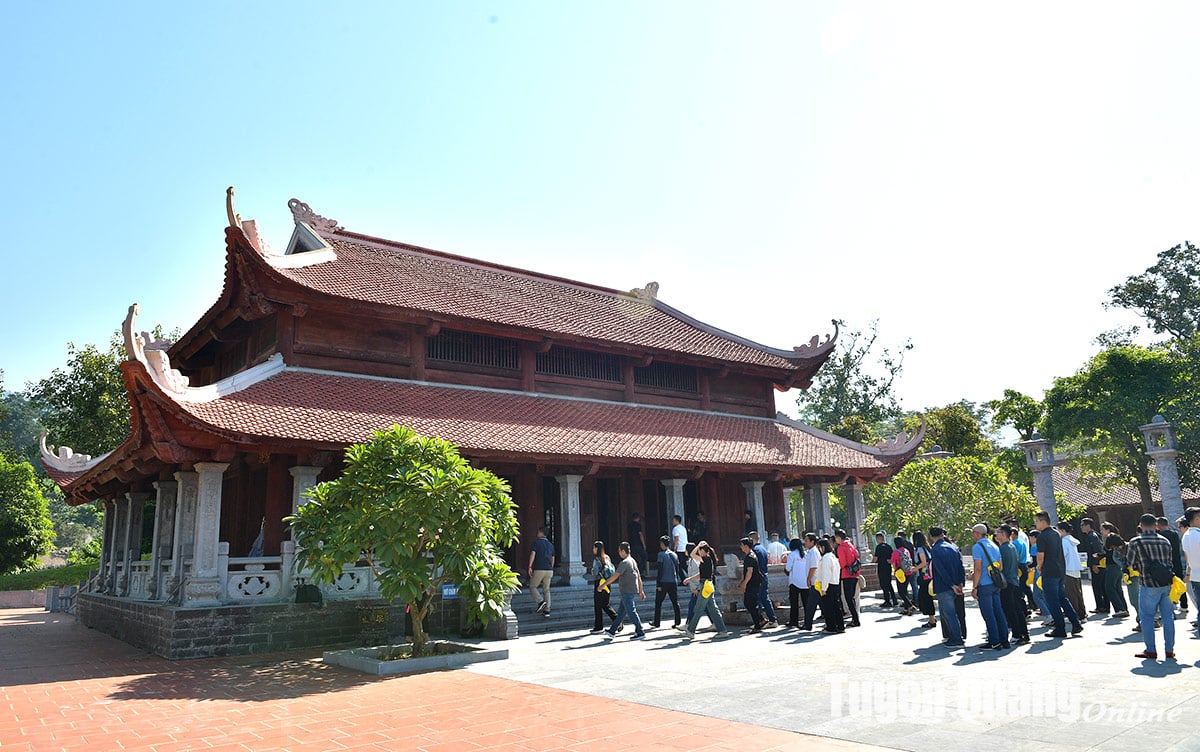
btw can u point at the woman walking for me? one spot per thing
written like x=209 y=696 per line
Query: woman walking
x=1114 y=571
x=902 y=566
x=602 y=571
x=829 y=585
x=706 y=592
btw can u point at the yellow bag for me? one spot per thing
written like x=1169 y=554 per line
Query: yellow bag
x=707 y=589
x=1030 y=576
x=604 y=585
x=1178 y=588
x=900 y=576
x=820 y=586
x=931 y=587
x=1104 y=563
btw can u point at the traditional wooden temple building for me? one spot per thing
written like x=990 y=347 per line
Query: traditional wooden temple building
x=593 y=403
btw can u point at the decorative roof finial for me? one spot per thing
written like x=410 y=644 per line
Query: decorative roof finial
x=815 y=346
x=152 y=353
x=649 y=292
x=63 y=458
x=235 y=220
x=302 y=212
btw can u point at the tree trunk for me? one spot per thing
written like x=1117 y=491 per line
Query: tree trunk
x=1141 y=473
x=417 y=613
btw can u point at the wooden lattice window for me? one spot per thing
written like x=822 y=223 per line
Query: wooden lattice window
x=474 y=349
x=670 y=376
x=579 y=364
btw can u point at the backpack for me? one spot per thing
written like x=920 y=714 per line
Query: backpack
x=906 y=562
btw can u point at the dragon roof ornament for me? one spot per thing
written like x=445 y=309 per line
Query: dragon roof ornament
x=815 y=346
x=152 y=353
x=902 y=443
x=64 y=459
x=302 y=212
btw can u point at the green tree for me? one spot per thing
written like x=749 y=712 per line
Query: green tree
x=955 y=428
x=1018 y=410
x=857 y=381
x=421 y=516
x=84 y=405
x=1101 y=407
x=26 y=531
x=1167 y=294
x=954 y=493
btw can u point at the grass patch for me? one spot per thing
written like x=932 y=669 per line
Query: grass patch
x=41 y=578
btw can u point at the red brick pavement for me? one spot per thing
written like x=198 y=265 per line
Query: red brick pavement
x=63 y=687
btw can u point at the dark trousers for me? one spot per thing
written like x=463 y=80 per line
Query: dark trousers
x=795 y=596
x=1013 y=602
x=960 y=608
x=812 y=600
x=831 y=609
x=849 y=590
x=1024 y=590
x=1099 y=592
x=1112 y=588
x=885 y=582
x=600 y=606
x=750 y=601
x=661 y=591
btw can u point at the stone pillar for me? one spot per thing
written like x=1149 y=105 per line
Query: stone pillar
x=754 y=502
x=1039 y=458
x=810 y=511
x=164 y=532
x=568 y=506
x=203 y=587
x=674 y=488
x=108 y=545
x=183 y=540
x=1161 y=446
x=304 y=477
x=133 y=538
x=856 y=514
x=821 y=514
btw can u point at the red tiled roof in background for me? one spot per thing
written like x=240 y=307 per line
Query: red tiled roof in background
x=324 y=407
x=1067 y=481
x=395 y=274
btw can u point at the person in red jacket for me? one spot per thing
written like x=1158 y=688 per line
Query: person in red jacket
x=847 y=556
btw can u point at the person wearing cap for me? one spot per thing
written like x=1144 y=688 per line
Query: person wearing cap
x=988 y=568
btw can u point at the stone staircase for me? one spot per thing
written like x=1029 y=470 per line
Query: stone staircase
x=571 y=610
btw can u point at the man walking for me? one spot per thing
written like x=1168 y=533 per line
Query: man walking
x=1011 y=598
x=637 y=543
x=1073 y=582
x=1052 y=566
x=541 y=570
x=1164 y=529
x=812 y=599
x=668 y=582
x=948 y=579
x=679 y=544
x=1094 y=547
x=751 y=583
x=630 y=581
x=764 y=593
x=1150 y=554
x=883 y=570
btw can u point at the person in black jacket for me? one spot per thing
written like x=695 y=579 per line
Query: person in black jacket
x=1164 y=529
x=1094 y=548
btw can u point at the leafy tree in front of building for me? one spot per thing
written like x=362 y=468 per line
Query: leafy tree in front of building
x=26 y=531
x=422 y=517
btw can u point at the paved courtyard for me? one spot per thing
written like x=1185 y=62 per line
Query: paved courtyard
x=888 y=683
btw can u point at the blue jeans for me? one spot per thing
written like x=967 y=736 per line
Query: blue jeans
x=764 y=602
x=993 y=614
x=945 y=601
x=1040 y=599
x=1195 y=588
x=706 y=606
x=1151 y=600
x=692 y=605
x=1056 y=598
x=628 y=608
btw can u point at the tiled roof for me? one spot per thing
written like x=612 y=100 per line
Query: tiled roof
x=1067 y=481
x=325 y=407
x=395 y=274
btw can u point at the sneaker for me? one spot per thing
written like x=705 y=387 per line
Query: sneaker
x=540 y=607
x=546 y=613
x=756 y=628
x=953 y=643
x=640 y=636
x=772 y=624
x=679 y=626
x=689 y=636
x=653 y=625
x=608 y=636
x=1122 y=614
x=722 y=635
x=1056 y=635
x=596 y=631
x=1077 y=630
x=1022 y=641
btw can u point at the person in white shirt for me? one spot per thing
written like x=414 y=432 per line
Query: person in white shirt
x=776 y=551
x=812 y=561
x=1072 y=583
x=829 y=584
x=1191 y=554
x=797 y=582
x=679 y=541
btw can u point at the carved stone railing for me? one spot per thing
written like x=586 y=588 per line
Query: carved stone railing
x=139 y=580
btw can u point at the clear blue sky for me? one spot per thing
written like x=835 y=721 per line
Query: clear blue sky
x=975 y=177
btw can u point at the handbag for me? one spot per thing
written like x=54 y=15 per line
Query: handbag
x=998 y=578
x=707 y=589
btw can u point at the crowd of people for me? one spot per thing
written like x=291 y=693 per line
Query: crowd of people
x=1016 y=576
